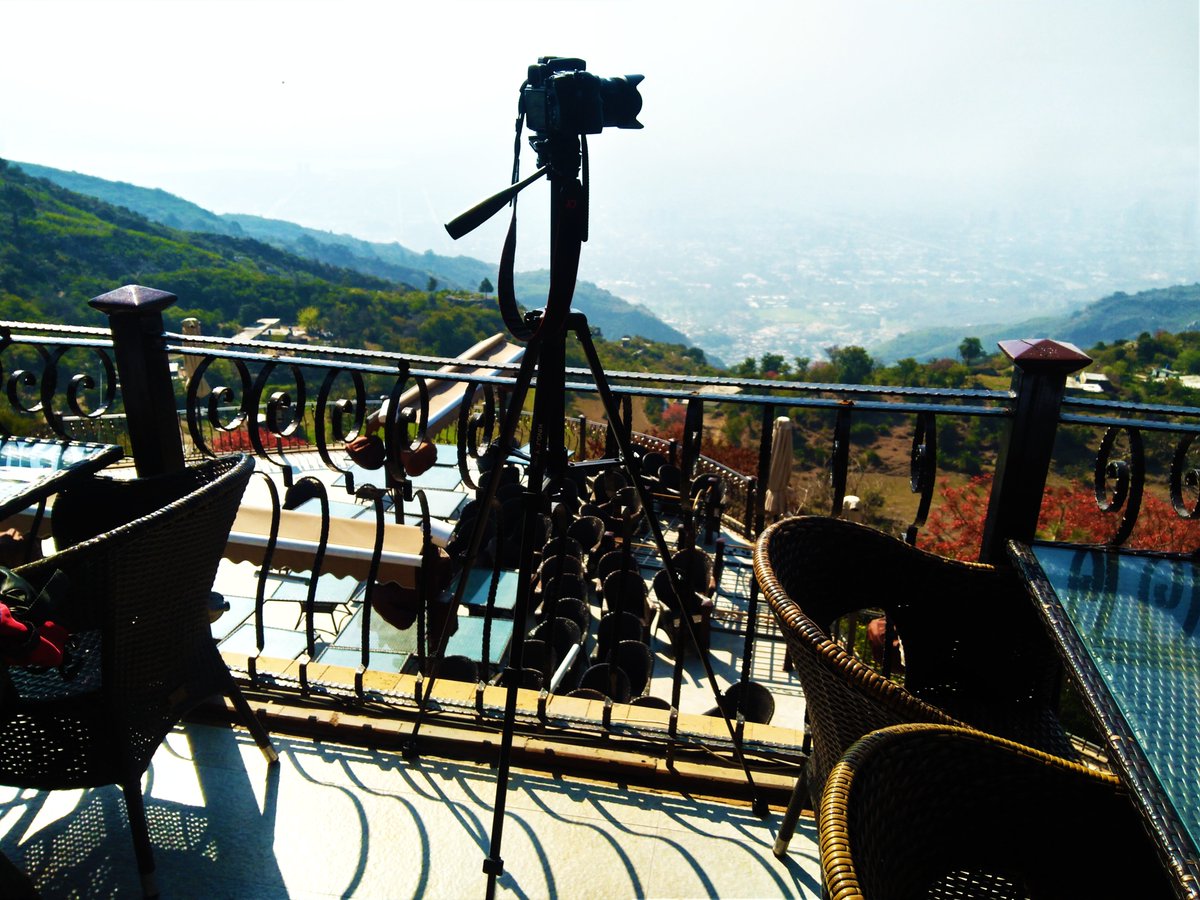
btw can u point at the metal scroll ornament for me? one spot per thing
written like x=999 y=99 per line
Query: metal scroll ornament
x=24 y=382
x=922 y=470
x=477 y=428
x=1185 y=478
x=219 y=396
x=345 y=415
x=1119 y=482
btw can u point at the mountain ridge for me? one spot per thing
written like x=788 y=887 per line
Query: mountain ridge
x=1118 y=316
x=614 y=316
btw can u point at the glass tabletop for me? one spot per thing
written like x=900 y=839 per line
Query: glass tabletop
x=33 y=468
x=1136 y=617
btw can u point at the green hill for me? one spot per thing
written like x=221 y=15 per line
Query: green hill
x=391 y=261
x=1118 y=316
x=59 y=248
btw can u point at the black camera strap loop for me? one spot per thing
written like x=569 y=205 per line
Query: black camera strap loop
x=506 y=296
x=570 y=230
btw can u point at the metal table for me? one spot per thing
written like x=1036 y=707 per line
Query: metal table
x=1128 y=627
x=32 y=469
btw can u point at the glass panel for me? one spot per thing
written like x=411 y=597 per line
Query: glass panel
x=1137 y=616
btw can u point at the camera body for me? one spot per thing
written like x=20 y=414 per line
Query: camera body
x=561 y=98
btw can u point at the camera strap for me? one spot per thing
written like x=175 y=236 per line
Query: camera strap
x=506 y=296
x=564 y=265
x=571 y=216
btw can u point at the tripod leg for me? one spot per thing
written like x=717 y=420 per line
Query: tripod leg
x=578 y=323
x=508 y=429
x=547 y=403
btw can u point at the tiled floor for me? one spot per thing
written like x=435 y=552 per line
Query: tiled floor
x=334 y=821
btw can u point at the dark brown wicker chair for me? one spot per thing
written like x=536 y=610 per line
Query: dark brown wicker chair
x=936 y=811
x=975 y=651
x=139 y=611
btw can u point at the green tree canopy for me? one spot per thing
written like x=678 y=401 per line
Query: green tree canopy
x=970 y=350
x=853 y=364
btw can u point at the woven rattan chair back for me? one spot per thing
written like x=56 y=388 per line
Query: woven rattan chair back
x=139 y=591
x=934 y=811
x=975 y=651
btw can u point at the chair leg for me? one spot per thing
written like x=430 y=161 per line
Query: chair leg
x=788 y=826
x=140 y=831
x=250 y=720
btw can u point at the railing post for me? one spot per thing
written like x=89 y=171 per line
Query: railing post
x=147 y=391
x=1039 y=381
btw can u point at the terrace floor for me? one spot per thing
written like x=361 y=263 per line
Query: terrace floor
x=340 y=821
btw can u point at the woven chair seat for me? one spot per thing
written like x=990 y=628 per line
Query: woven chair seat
x=935 y=811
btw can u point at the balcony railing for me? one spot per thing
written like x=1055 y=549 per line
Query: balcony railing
x=167 y=397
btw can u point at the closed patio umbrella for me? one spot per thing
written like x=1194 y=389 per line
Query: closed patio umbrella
x=780 y=473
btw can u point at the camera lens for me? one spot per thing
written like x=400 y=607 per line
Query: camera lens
x=621 y=101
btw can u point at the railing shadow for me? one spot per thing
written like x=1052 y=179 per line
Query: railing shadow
x=77 y=843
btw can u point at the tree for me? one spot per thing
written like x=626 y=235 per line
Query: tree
x=432 y=285
x=853 y=364
x=309 y=319
x=970 y=350
x=747 y=368
x=773 y=365
x=485 y=286
x=20 y=206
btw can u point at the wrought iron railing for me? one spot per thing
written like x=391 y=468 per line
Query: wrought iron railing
x=284 y=398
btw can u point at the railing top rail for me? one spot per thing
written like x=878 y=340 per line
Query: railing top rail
x=784 y=394
x=181 y=343
x=1141 y=424
x=1128 y=406
x=51 y=328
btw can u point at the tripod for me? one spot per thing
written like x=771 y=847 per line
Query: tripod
x=560 y=157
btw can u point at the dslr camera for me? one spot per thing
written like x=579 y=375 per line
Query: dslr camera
x=561 y=98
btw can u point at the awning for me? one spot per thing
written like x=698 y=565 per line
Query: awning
x=347 y=552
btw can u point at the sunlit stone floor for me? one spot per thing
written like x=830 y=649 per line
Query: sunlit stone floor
x=335 y=821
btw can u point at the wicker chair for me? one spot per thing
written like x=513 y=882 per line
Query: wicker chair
x=975 y=652
x=936 y=811
x=145 y=655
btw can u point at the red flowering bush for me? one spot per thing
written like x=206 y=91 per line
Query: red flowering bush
x=1069 y=513
x=239 y=442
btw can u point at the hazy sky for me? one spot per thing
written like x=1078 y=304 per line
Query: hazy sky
x=386 y=119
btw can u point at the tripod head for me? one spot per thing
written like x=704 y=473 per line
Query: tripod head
x=562 y=102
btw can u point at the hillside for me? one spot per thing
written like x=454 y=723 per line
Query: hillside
x=1116 y=317
x=612 y=315
x=59 y=248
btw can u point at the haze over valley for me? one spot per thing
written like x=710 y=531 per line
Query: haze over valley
x=798 y=282
x=810 y=174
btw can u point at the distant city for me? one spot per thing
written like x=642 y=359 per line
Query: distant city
x=799 y=283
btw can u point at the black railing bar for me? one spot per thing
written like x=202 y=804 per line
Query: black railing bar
x=901 y=408
x=38 y=340
x=817 y=387
x=176 y=343
x=307 y=362
x=1131 y=406
x=51 y=328
x=1141 y=424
